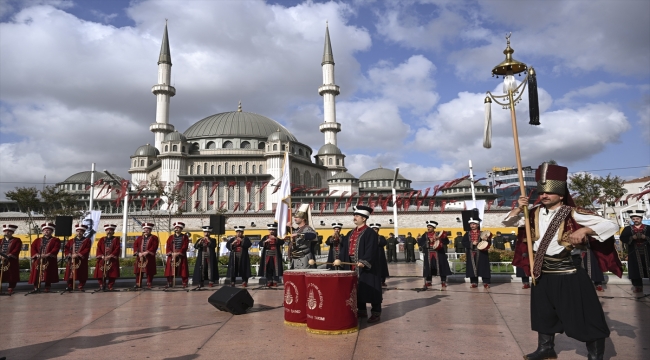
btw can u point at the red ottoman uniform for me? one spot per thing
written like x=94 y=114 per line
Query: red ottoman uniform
x=177 y=244
x=81 y=247
x=108 y=254
x=10 y=247
x=149 y=245
x=46 y=248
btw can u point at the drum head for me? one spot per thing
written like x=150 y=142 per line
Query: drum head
x=482 y=245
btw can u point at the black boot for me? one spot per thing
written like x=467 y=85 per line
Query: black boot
x=596 y=349
x=545 y=344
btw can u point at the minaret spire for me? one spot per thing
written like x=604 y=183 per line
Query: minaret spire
x=329 y=155
x=163 y=91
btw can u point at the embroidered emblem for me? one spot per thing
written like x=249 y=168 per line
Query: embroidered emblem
x=311 y=300
x=352 y=301
x=288 y=298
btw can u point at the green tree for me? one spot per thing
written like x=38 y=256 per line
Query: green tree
x=27 y=200
x=58 y=202
x=611 y=189
x=586 y=189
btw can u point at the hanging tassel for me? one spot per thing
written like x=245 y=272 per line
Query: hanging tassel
x=533 y=103
x=487 y=130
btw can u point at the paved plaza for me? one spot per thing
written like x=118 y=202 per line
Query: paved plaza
x=459 y=323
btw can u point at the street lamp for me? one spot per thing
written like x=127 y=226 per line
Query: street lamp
x=508 y=68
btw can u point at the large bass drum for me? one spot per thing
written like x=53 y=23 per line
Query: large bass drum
x=332 y=302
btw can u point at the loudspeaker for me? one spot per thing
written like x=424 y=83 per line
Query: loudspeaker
x=468 y=214
x=63 y=226
x=218 y=224
x=233 y=300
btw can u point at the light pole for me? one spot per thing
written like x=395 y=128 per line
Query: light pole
x=125 y=212
x=513 y=92
x=395 y=204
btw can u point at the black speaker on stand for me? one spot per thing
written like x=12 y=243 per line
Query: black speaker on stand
x=467 y=214
x=218 y=224
x=233 y=300
x=63 y=227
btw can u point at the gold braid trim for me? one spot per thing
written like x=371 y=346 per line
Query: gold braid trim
x=291 y=323
x=333 y=332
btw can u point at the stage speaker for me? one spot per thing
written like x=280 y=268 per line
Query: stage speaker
x=233 y=300
x=218 y=224
x=467 y=214
x=63 y=226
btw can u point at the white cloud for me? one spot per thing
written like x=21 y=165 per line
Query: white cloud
x=644 y=118
x=454 y=132
x=593 y=91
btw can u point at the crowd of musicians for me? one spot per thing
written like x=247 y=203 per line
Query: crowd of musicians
x=571 y=250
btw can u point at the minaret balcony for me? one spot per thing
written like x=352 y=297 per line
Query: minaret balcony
x=159 y=127
x=163 y=89
x=329 y=126
x=333 y=89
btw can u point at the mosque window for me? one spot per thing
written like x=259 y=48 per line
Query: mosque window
x=253 y=169
x=284 y=147
x=338 y=162
x=307 y=180
x=166 y=148
x=150 y=162
x=135 y=163
x=205 y=168
x=261 y=145
x=329 y=161
x=317 y=182
x=233 y=170
x=227 y=145
x=211 y=169
x=210 y=145
x=246 y=168
x=295 y=176
x=191 y=170
x=293 y=150
x=239 y=170
x=175 y=148
x=225 y=168
x=245 y=145
x=300 y=152
x=219 y=169
x=141 y=162
x=260 y=169
x=183 y=149
x=198 y=169
x=275 y=147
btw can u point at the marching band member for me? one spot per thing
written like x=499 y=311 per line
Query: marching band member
x=44 y=263
x=144 y=249
x=176 y=249
x=302 y=239
x=10 y=251
x=364 y=251
x=77 y=251
x=392 y=248
x=271 y=265
x=637 y=238
x=564 y=299
x=478 y=260
x=435 y=257
x=206 y=266
x=383 y=265
x=338 y=248
x=108 y=257
x=239 y=263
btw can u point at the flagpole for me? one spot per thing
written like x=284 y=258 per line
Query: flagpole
x=471 y=179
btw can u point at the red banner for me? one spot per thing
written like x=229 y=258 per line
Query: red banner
x=514 y=204
x=261 y=207
x=214 y=187
x=489 y=204
x=432 y=202
x=322 y=207
x=248 y=207
x=155 y=202
x=336 y=206
x=277 y=187
x=232 y=184
x=384 y=204
x=360 y=200
x=143 y=203
x=330 y=194
x=178 y=186
x=419 y=203
x=426 y=192
x=379 y=201
x=435 y=190
x=369 y=201
x=195 y=187
x=443 y=205
x=183 y=204
x=502 y=202
x=196 y=204
x=221 y=205
x=249 y=185
x=264 y=183
x=211 y=202
x=320 y=191
x=236 y=207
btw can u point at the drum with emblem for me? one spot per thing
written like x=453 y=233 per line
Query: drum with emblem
x=331 y=302
x=295 y=302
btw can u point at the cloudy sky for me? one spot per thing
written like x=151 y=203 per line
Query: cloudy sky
x=76 y=77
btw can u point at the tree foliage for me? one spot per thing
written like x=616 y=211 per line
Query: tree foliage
x=27 y=200
x=58 y=202
x=589 y=190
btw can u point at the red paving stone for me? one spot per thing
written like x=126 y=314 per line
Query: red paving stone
x=459 y=323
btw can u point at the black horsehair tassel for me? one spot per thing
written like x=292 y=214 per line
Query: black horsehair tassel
x=533 y=103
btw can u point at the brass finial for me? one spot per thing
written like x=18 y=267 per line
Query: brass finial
x=239 y=107
x=509 y=65
x=487 y=100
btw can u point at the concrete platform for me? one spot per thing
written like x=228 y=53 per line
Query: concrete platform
x=459 y=323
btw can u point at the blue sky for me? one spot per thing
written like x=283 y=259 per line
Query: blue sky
x=413 y=75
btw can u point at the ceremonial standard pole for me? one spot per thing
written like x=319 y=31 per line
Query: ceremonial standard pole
x=395 y=204
x=513 y=92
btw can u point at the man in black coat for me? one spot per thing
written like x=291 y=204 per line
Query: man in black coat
x=458 y=243
x=499 y=242
x=392 y=248
x=338 y=248
x=206 y=266
x=364 y=251
x=477 y=258
x=637 y=239
x=271 y=265
x=435 y=258
x=239 y=263
x=409 y=248
x=382 y=255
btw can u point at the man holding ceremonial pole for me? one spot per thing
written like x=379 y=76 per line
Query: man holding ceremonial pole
x=108 y=258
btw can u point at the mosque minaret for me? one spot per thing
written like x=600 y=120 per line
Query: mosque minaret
x=163 y=91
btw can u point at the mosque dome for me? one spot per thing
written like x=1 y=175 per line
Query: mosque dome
x=175 y=136
x=380 y=174
x=84 y=177
x=329 y=149
x=237 y=124
x=146 y=150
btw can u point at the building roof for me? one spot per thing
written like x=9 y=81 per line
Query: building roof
x=278 y=136
x=466 y=184
x=236 y=124
x=165 y=55
x=147 y=150
x=644 y=179
x=343 y=175
x=174 y=136
x=84 y=177
x=380 y=174
x=329 y=149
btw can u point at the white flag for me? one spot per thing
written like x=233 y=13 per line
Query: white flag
x=282 y=210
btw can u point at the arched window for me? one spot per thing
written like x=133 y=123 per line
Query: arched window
x=210 y=145
x=329 y=161
x=338 y=161
x=284 y=147
x=295 y=176
x=150 y=162
x=260 y=169
x=183 y=149
x=275 y=147
x=227 y=145
x=135 y=163
x=219 y=169
x=194 y=148
x=246 y=168
x=307 y=179
x=211 y=169
x=141 y=162
x=253 y=169
x=292 y=150
x=191 y=170
x=245 y=145
x=225 y=169
x=239 y=170
x=205 y=168
x=300 y=152
x=175 y=148
x=317 y=182
x=233 y=170
x=261 y=145
x=166 y=148
x=198 y=169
